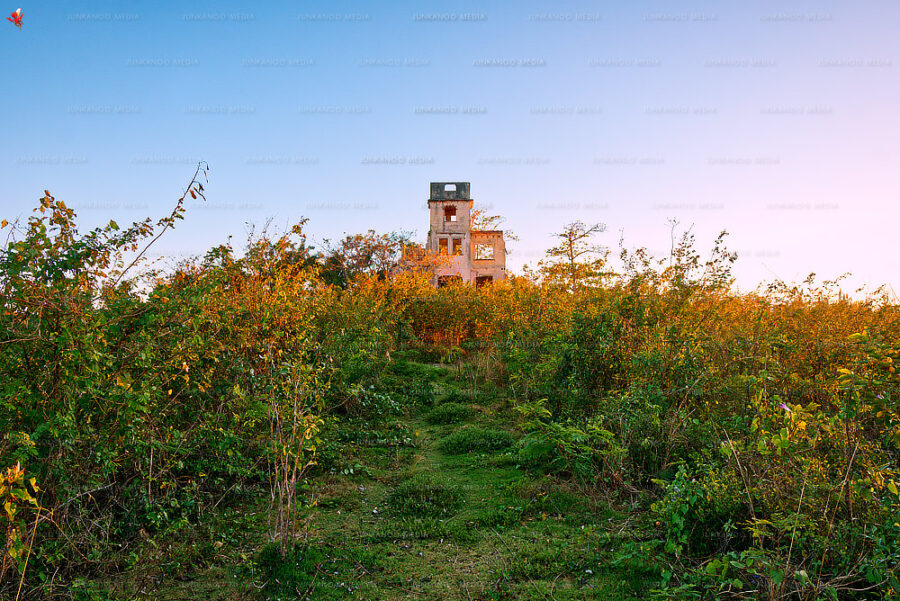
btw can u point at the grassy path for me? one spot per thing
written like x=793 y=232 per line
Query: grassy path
x=406 y=509
x=430 y=522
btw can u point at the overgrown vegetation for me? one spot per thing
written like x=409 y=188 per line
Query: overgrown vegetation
x=291 y=422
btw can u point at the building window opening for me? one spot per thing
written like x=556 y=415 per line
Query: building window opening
x=449 y=187
x=457 y=247
x=442 y=246
x=449 y=280
x=449 y=213
x=484 y=252
x=483 y=280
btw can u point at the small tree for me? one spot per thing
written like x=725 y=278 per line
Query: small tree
x=482 y=222
x=576 y=261
x=294 y=443
x=363 y=254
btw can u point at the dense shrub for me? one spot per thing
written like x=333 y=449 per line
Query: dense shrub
x=134 y=400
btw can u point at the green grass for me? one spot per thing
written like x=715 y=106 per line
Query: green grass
x=454 y=395
x=476 y=439
x=425 y=495
x=310 y=571
x=449 y=413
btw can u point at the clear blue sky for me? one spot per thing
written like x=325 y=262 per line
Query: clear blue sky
x=777 y=121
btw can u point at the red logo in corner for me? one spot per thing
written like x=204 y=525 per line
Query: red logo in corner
x=16 y=18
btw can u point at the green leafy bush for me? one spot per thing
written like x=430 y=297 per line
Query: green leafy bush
x=583 y=450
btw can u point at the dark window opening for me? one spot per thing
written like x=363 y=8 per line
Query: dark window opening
x=447 y=280
x=449 y=213
x=442 y=246
x=457 y=247
x=483 y=280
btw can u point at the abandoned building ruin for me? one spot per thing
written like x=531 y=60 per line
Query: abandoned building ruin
x=470 y=256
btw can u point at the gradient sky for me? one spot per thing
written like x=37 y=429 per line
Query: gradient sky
x=776 y=121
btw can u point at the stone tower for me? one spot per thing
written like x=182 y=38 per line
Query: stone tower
x=474 y=257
